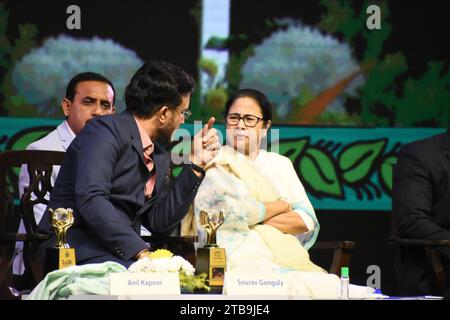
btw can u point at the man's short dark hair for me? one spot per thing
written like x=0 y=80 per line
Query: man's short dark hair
x=260 y=98
x=157 y=84
x=87 y=76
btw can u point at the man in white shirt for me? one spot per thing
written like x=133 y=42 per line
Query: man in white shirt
x=88 y=95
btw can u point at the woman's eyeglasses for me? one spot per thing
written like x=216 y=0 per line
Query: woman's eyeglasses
x=249 y=119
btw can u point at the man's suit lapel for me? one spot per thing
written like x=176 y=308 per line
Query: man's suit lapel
x=158 y=156
x=135 y=136
x=161 y=165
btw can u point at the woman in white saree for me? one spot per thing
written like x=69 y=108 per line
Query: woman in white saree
x=269 y=222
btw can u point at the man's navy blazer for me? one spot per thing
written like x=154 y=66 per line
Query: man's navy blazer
x=102 y=179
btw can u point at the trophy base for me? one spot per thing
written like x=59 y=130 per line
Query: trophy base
x=56 y=259
x=212 y=261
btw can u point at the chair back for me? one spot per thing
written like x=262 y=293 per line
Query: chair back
x=429 y=249
x=40 y=165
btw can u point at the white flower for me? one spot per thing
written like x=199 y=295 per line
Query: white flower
x=173 y=264
x=184 y=265
x=142 y=265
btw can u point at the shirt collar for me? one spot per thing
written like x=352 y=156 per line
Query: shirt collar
x=146 y=141
x=69 y=130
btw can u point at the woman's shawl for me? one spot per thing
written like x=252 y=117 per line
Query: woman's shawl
x=235 y=185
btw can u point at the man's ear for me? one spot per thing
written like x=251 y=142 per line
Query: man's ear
x=163 y=114
x=66 y=105
x=113 y=109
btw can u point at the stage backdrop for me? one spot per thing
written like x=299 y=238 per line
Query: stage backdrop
x=341 y=168
x=350 y=81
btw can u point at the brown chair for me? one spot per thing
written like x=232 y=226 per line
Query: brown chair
x=433 y=261
x=40 y=167
x=434 y=265
x=342 y=251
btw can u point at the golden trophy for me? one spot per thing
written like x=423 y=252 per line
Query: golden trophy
x=61 y=255
x=211 y=259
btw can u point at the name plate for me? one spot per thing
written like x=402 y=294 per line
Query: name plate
x=128 y=283
x=256 y=283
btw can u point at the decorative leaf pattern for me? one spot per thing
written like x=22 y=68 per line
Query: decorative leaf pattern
x=291 y=148
x=319 y=173
x=328 y=169
x=325 y=175
x=22 y=141
x=385 y=172
x=357 y=160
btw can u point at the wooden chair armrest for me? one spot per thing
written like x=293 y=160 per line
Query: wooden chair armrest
x=327 y=245
x=433 y=259
x=22 y=237
x=341 y=256
x=419 y=242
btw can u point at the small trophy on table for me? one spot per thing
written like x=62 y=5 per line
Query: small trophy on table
x=61 y=255
x=211 y=259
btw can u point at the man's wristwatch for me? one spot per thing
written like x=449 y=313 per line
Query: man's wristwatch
x=197 y=168
x=143 y=253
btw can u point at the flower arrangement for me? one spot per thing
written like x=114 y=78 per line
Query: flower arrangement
x=163 y=260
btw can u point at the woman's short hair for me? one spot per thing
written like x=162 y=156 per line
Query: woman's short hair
x=259 y=97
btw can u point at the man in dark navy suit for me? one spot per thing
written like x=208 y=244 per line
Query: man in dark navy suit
x=421 y=207
x=116 y=174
